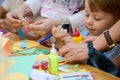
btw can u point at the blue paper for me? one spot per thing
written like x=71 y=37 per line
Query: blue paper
x=23 y=65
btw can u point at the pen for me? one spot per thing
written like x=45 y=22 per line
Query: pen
x=44 y=39
x=64 y=26
x=71 y=76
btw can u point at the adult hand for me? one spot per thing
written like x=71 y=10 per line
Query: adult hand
x=43 y=27
x=13 y=18
x=74 y=52
x=19 y=13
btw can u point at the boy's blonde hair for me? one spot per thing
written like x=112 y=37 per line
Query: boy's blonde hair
x=108 y=6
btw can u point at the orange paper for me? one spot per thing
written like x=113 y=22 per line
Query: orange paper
x=5 y=46
x=8 y=48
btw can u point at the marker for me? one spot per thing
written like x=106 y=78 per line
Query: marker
x=64 y=26
x=21 y=33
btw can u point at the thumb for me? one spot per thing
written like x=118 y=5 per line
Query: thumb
x=38 y=22
x=29 y=20
x=20 y=17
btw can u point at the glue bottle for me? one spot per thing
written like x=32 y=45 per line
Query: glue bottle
x=77 y=37
x=53 y=60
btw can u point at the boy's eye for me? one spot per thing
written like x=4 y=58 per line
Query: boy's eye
x=98 y=19
x=86 y=15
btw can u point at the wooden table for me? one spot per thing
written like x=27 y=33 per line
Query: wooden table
x=98 y=74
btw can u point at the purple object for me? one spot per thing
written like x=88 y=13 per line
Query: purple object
x=3 y=30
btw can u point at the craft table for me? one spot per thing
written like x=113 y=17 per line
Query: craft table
x=98 y=74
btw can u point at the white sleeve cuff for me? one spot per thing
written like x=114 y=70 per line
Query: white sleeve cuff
x=35 y=6
x=6 y=5
x=77 y=20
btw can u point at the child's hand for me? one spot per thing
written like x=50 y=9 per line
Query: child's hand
x=89 y=38
x=59 y=33
x=67 y=39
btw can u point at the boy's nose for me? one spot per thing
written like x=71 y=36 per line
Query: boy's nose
x=89 y=21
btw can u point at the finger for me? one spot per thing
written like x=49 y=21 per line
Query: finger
x=74 y=58
x=42 y=34
x=58 y=29
x=64 y=50
x=84 y=37
x=11 y=19
x=87 y=39
x=71 y=58
x=29 y=20
x=68 y=54
x=35 y=27
x=38 y=22
x=20 y=17
x=67 y=39
x=54 y=30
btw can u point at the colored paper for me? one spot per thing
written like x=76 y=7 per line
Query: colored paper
x=5 y=46
x=23 y=65
x=29 y=44
x=28 y=51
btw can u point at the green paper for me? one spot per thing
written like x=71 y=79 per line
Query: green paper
x=28 y=51
x=23 y=64
x=43 y=51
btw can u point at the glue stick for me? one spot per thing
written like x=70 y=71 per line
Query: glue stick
x=77 y=37
x=53 y=60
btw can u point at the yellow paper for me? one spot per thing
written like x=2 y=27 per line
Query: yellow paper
x=15 y=76
x=30 y=44
x=44 y=57
x=5 y=65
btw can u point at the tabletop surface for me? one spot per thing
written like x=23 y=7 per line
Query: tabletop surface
x=98 y=74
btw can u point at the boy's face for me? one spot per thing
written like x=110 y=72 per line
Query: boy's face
x=98 y=21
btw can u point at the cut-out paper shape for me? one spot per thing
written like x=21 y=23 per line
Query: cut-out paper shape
x=43 y=51
x=64 y=69
x=44 y=57
x=29 y=44
x=27 y=52
x=60 y=58
x=23 y=44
